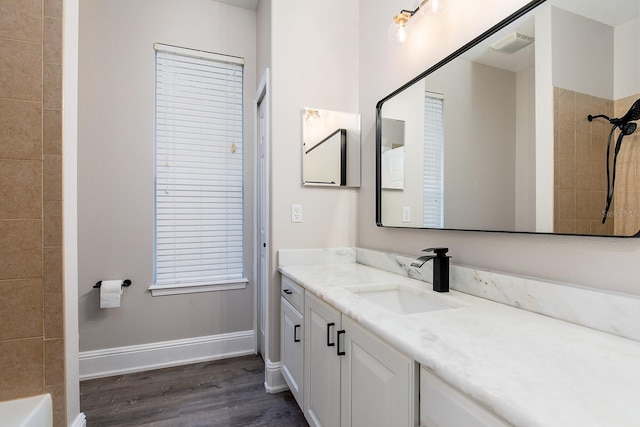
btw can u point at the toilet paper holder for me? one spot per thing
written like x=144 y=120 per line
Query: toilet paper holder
x=125 y=283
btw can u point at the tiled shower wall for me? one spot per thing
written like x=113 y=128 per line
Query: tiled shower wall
x=580 y=183
x=580 y=167
x=31 y=285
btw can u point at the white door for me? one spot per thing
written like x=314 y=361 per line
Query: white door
x=262 y=214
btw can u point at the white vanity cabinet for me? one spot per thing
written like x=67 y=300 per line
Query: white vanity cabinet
x=321 y=363
x=443 y=406
x=292 y=337
x=351 y=377
x=377 y=382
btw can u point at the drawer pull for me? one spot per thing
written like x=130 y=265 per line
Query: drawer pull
x=340 y=353
x=295 y=333
x=287 y=291
x=329 y=343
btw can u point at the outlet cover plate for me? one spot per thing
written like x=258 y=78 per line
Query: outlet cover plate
x=296 y=213
x=406 y=214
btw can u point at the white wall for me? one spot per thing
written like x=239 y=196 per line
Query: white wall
x=314 y=59
x=70 y=208
x=605 y=263
x=263 y=38
x=582 y=54
x=479 y=174
x=525 y=151
x=626 y=59
x=115 y=166
x=544 y=116
x=479 y=155
x=409 y=107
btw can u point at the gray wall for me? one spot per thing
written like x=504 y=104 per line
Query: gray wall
x=263 y=38
x=479 y=174
x=314 y=60
x=409 y=107
x=348 y=68
x=604 y=263
x=583 y=59
x=627 y=59
x=115 y=166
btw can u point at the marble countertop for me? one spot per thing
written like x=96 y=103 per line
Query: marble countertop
x=529 y=369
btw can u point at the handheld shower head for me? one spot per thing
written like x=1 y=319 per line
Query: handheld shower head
x=628 y=128
x=632 y=115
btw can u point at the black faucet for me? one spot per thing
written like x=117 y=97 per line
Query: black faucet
x=440 y=267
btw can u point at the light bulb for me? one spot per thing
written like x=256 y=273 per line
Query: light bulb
x=399 y=32
x=432 y=7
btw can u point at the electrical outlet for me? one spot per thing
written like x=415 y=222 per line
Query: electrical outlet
x=296 y=213
x=406 y=214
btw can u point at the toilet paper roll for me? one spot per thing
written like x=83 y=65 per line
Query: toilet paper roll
x=110 y=292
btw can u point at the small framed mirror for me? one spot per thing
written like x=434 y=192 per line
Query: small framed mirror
x=330 y=148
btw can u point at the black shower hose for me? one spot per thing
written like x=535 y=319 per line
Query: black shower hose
x=611 y=178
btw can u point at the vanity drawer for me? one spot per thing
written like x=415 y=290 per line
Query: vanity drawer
x=293 y=293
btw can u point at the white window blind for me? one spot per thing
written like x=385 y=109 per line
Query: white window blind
x=198 y=171
x=433 y=159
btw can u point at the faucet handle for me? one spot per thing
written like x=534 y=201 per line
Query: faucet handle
x=440 y=252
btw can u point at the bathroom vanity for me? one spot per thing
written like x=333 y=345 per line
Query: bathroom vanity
x=372 y=346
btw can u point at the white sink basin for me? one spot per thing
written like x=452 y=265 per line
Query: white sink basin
x=402 y=301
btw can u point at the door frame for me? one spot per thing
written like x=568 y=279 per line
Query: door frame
x=70 y=51
x=262 y=98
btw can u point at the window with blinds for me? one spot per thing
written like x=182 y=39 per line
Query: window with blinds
x=433 y=160
x=198 y=169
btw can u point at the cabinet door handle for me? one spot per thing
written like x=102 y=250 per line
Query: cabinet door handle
x=329 y=343
x=287 y=291
x=340 y=353
x=295 y=333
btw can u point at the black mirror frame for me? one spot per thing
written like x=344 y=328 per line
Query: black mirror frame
x=502 y=24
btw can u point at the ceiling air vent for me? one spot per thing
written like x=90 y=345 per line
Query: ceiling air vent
x=513 y=42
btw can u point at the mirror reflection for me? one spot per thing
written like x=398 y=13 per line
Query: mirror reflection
x=330 y=148
x=393 y=154
x=499 y=137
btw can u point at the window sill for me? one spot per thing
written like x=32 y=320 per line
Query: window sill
x=193 y=288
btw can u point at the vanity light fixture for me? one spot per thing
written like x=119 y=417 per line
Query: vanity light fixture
x=399 y=31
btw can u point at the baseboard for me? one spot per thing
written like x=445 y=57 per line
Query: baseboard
x=273 y=380
x=80 y=421
x=137 y=358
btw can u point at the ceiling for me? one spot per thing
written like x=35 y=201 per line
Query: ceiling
x=609 y=12
x=245 y=4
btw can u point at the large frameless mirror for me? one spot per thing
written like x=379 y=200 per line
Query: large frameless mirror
x=529 y=128
x=330 y=148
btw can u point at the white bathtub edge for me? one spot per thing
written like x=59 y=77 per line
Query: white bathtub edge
x=34 y=411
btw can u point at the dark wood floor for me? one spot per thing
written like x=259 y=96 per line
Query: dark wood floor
x=221 y=393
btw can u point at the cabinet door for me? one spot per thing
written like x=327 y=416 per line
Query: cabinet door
x=321 y=363
x=292 y=348
x=378 y=384
x=443 y=406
